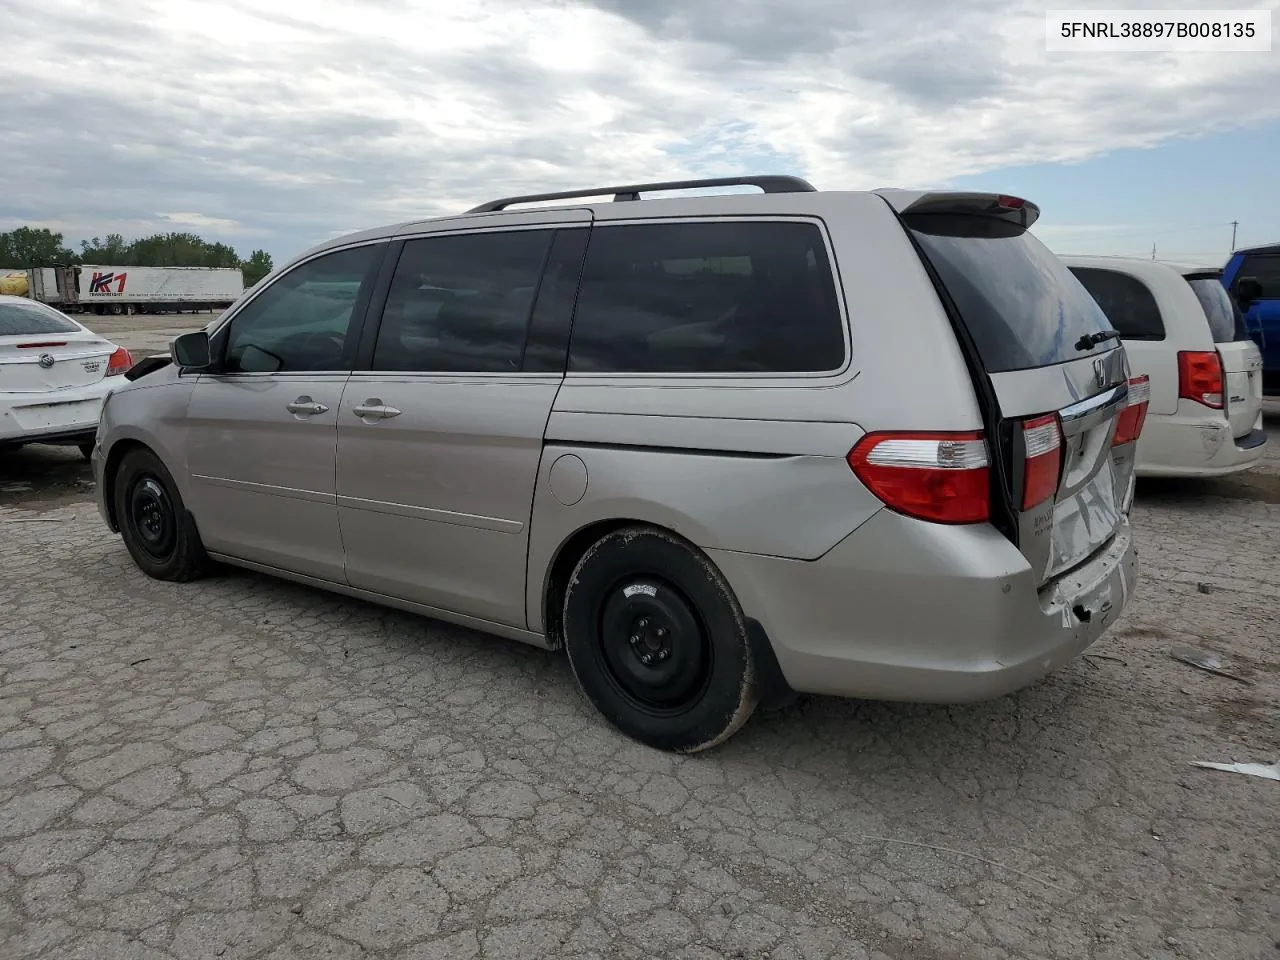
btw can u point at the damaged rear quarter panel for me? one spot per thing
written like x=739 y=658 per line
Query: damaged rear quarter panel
x=793 y=505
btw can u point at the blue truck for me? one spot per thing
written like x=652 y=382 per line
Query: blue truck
x=1252 y=277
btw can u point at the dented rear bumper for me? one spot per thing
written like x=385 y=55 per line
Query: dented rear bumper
x=907 y=610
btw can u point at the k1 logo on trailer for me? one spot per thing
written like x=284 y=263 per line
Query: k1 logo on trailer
x=102 y=283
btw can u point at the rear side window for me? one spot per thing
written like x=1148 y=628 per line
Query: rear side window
x=1266 y=270
x=1226 y=322
x=25 y=320
x=461 y=304
x=727 y=297
x=1127 y=301
x=1018 y=301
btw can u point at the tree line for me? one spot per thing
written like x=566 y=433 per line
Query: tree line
x=28 y=247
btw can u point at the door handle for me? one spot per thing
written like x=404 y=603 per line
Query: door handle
x=305 y=405
x=375 y=409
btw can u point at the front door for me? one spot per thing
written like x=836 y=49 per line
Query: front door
x=261 y=449
x=440 y=435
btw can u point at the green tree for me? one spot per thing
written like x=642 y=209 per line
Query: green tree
x=33 y=247
x=256 y=267
x=220 y=255
x=113 y=251
x=182 y=250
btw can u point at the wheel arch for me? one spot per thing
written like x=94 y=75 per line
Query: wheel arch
x=774 y=691
x=117 y=451
x=115 y=455
x=556 y=575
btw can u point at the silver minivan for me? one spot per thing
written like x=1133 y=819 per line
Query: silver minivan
x=720 y=449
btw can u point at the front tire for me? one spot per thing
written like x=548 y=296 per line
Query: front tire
x=154 y=524
x=658 y=642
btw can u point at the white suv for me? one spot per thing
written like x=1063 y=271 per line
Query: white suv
x=1181 y=328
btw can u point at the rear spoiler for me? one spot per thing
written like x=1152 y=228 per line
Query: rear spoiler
x=996 y=205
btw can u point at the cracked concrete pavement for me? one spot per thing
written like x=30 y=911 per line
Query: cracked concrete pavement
x=245 y=768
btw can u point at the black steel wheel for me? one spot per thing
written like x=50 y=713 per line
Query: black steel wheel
x=658 y=642
x=154 y=524
x=653 y=643
x=151 y=517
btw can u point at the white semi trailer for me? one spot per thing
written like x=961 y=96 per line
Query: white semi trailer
x=90 y=288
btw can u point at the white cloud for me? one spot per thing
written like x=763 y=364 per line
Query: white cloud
x=292 y=118
x=199 y=220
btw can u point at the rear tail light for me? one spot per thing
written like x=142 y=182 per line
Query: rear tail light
x=1042 y=438
x=1132 y=417
x=120 y=362
x=941 y=477
x=1200 y=377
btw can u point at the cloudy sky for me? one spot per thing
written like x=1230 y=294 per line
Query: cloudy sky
x=277 y=123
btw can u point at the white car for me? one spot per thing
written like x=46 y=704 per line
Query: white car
x=54 y=375
x=1181 y=328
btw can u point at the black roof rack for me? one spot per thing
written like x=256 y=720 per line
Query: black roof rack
x=772 y=183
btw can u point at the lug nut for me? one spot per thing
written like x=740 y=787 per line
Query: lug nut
x=664 y=654
x=634 y=638
x=644 y=623
x=647 y=659
x=662 y=631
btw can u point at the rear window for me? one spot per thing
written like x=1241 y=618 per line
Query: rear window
x=24 y=320
x=1018 y=301
x=1226 y=322
x=1127 y=302
x=723 y=297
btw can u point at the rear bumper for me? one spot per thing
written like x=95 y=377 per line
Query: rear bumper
x=907 y=610
x=56 y=415
x=1174 y=446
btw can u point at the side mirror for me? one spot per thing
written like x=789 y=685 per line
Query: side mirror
x=191 y=350
x=1247 y=290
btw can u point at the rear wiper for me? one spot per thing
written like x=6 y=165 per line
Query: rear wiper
x=1091 y=340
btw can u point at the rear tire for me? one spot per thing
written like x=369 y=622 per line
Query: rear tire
x=154 y=524
x=658 y=642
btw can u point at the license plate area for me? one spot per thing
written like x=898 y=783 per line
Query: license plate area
x=50 y=416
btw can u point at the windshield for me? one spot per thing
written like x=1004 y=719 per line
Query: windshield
x=28 y=319
x=1226 y=322
x=1021 y=305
